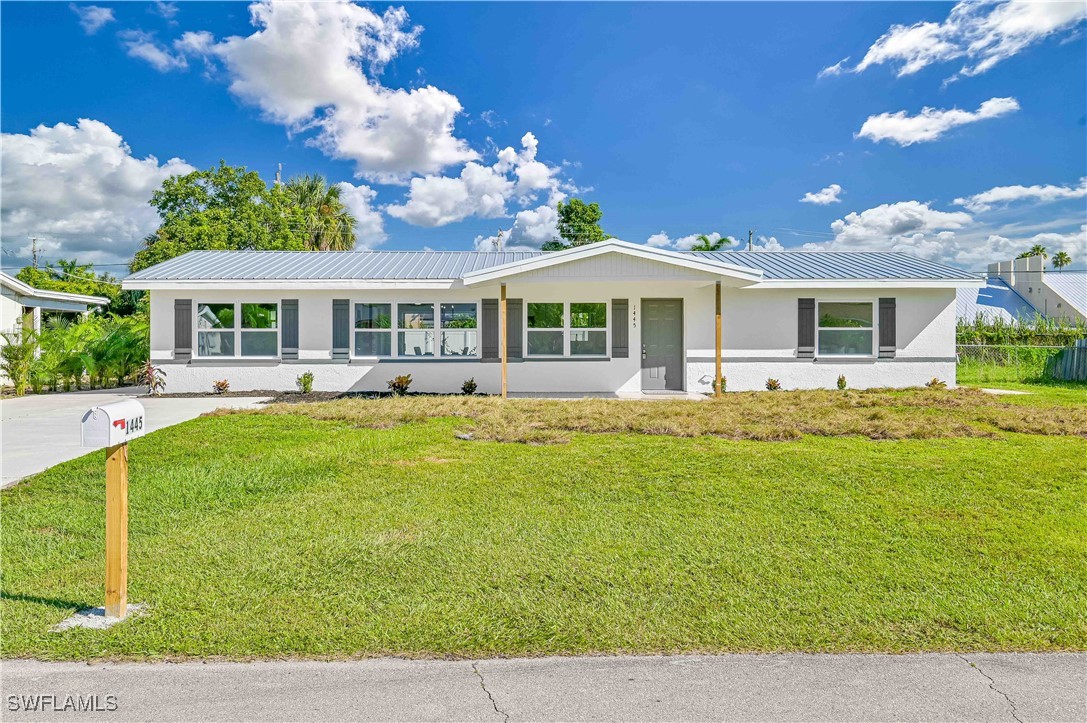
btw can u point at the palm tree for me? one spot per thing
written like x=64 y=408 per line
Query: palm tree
x=705 y=243
x=1061 y=259
x=1035 y=250
x=329 y=225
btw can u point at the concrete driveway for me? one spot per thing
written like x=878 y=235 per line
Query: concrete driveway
x=945 y=687
x=40 y=430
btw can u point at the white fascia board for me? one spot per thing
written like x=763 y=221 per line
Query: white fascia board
x=869 y=284
x=588 y=251
x=29 y=292
x=286 y=285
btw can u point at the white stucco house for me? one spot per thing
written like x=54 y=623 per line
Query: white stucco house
x=610 y=317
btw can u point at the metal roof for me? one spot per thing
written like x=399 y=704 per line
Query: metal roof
x=995 y=300
x=1071 y=285
x=429 y=265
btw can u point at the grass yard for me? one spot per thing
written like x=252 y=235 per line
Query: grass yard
x=892 y=522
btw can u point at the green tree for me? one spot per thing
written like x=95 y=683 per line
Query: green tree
x=1035 y=250
x=222 y=208
x=70 y=276
x=17 y=355
x=1061 y=259
x=329 y=226
x=579 y=224
x=705 y=243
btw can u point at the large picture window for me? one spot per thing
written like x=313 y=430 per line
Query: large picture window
x=845 y=328
x=415 y=323
x=373 y=329
x=574 y=329
x=459 y=335
x=237 y=329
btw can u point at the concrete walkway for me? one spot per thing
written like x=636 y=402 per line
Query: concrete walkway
x=40 y=430
x=945 y=687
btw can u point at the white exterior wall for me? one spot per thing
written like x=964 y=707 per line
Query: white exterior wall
x=759 y=340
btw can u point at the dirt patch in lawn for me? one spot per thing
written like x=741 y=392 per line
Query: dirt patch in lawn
x=764 y=416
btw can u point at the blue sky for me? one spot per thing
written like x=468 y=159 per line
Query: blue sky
x=678 y=119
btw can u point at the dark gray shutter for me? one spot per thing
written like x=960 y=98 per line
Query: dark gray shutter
x=514 y=324
x=488 y=323
x=182 y=328
x=888 y=333
x=341 y=329
x=290 y=328
x=805 y=328
x=620 y=328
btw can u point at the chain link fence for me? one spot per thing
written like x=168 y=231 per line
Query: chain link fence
x=1003 y=362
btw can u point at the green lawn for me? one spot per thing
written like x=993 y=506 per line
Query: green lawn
x=274 y=535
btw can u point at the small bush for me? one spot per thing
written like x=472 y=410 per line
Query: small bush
x=154 y=377
x=17 y=357
x=841 y=381
x=399 y=385
x=305 y=382
x=469 y=386
x=935 y=383
x=772 y=385
x=220 y=387
x=724 y=384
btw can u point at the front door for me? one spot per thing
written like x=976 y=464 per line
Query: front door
x=662 y=345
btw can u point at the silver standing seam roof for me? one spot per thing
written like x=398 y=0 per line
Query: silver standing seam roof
x=432 y=265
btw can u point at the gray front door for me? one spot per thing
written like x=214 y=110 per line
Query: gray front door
x=662 y=344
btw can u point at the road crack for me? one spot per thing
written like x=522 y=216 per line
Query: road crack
x=494 y=703
x=992 y=686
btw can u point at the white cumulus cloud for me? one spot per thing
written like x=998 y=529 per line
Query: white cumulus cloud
x=1003 y=195
x=92 y=17
x=685 y=243
x=80 y=190
x=981 y=34
x=370 y=226
x=824 y=197
x=930 y=123
x=531 y=229
x=145 y=46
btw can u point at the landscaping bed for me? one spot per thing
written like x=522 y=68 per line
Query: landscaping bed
x=366 y=528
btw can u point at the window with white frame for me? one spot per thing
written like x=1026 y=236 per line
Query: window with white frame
x=459 y=322
x=846 y=328
x=373 y=329
x=567 y=328
x=415 y=329
x=237 y=329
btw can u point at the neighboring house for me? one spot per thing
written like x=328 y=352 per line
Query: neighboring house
x=993 y=301
x=1055 y=294
x=23 y=304
x=609 y=317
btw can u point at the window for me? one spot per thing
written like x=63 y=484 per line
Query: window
x=545 y=329
x=845 y=328
x=259 y=332
x=588 y=329
x=373 y=329
x=219 y=317
x=459 y=335
x=416 y=329
x=219 y=333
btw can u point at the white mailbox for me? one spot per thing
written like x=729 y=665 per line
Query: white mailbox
x=113 y=424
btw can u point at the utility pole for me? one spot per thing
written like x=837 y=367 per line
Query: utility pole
x=279 y=173
x=498 y=240
x=750 y=233
x=34 y=251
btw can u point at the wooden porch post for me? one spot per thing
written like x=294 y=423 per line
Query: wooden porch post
x=502 y=336
x=717 y=345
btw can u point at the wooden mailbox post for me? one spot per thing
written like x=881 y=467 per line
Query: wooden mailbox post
x=112 y=426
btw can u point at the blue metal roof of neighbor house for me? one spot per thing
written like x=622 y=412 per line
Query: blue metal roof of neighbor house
x=419 y=265
x=1071 y=285
x=995 y=300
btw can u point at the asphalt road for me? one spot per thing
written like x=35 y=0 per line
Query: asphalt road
x=40 y=430
x=945 y=687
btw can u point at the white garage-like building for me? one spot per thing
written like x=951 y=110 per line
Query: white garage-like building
x=610 y=317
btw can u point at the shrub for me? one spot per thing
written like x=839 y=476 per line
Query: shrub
x=772 y=385
x=469 y=386
x=220 y=387
x=154 y=377
x=841 y=381
x=724 y=384
x=935 y=383
x=305 y=382
x=399 y=385
x=17 y=357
